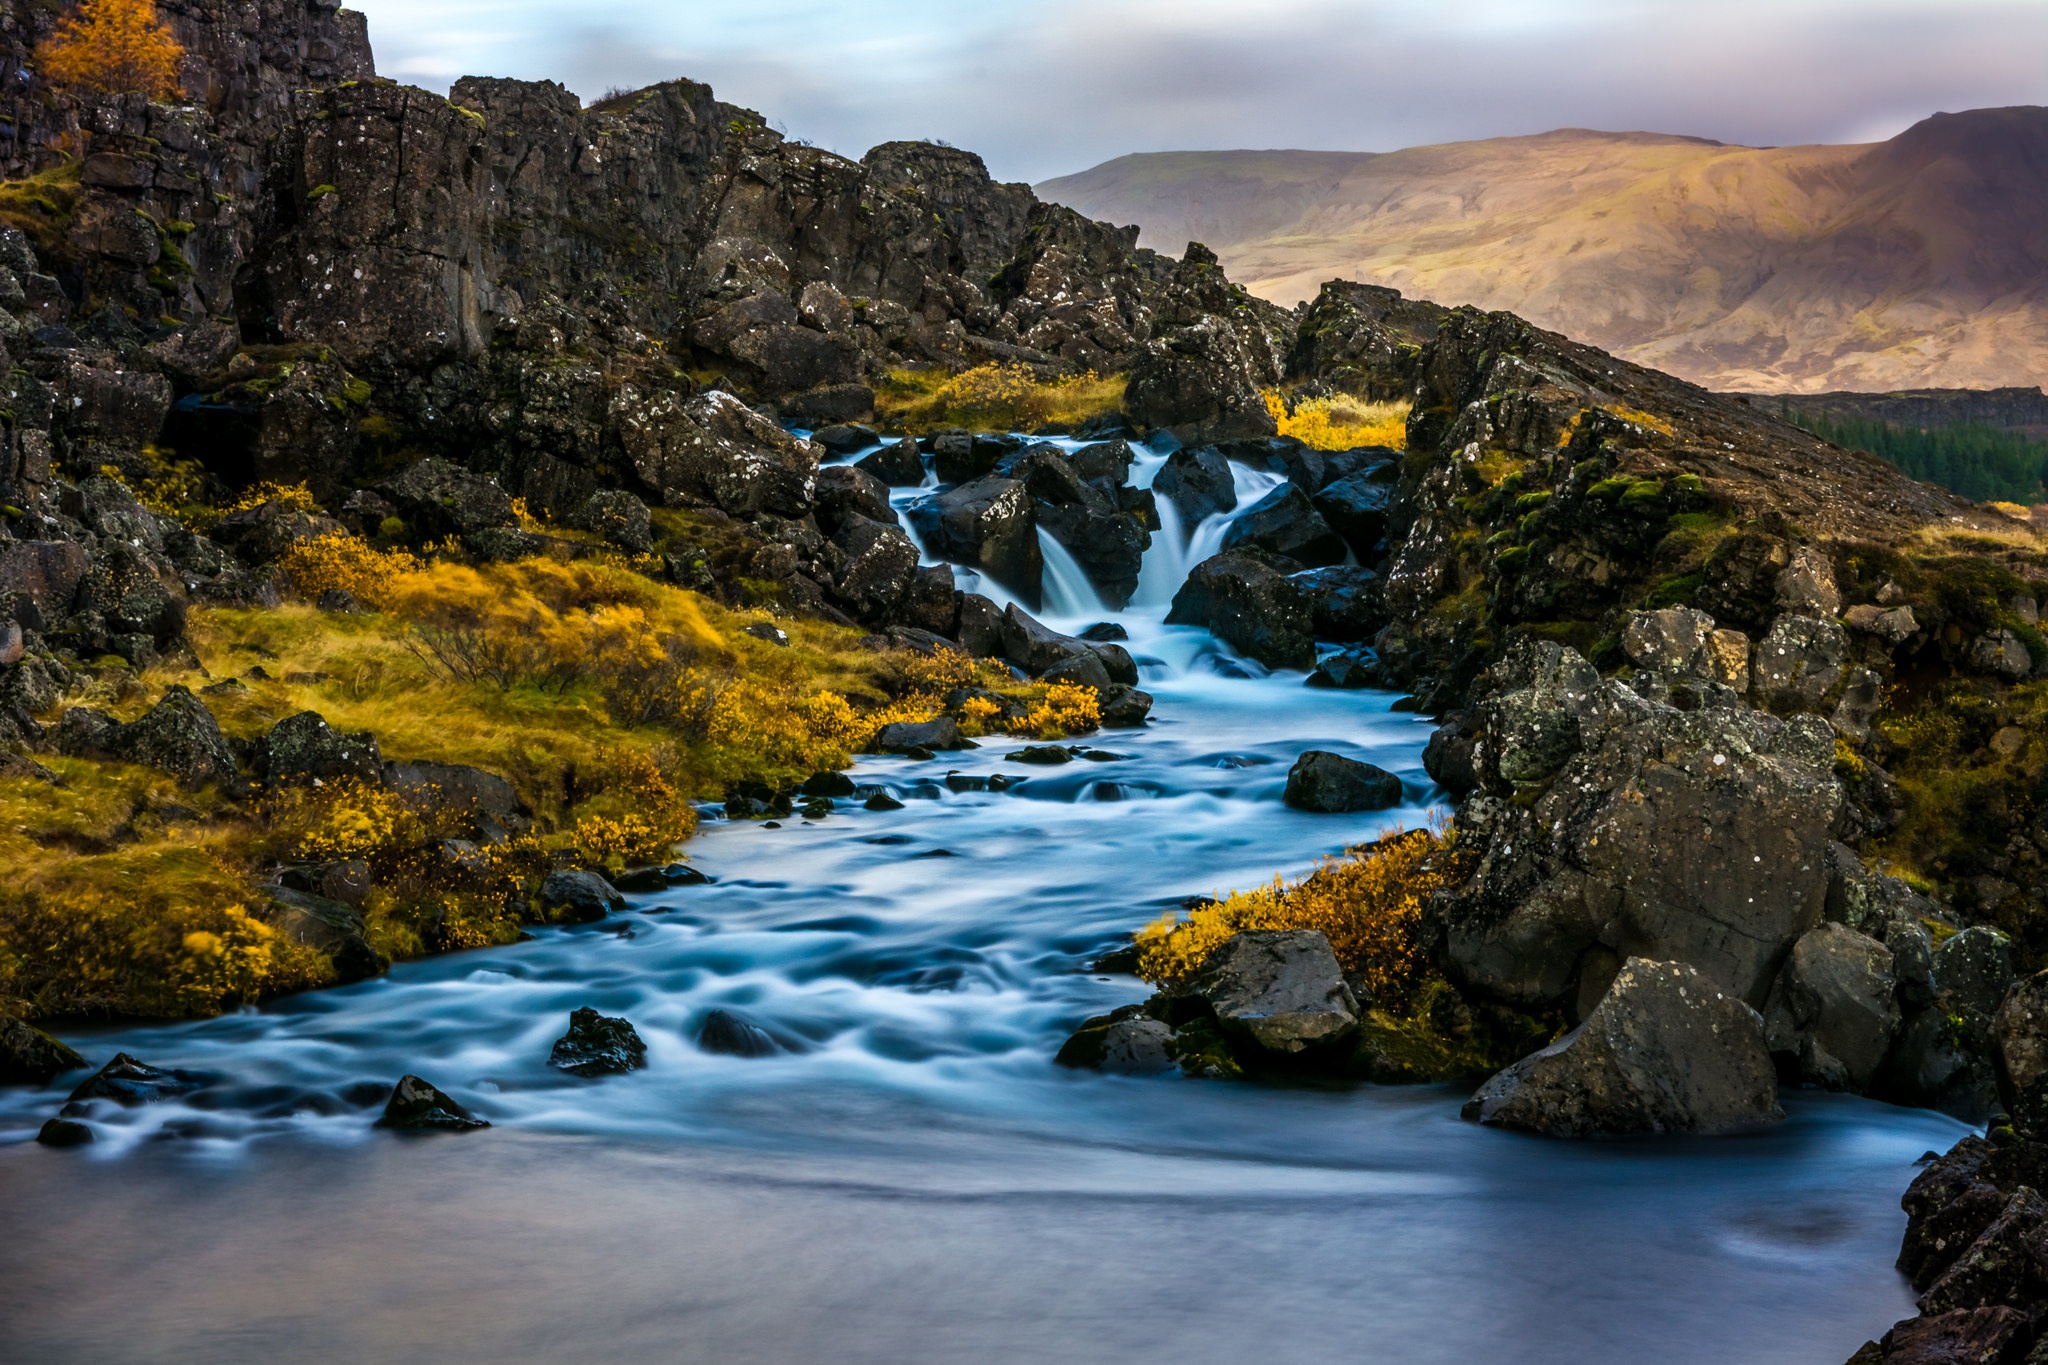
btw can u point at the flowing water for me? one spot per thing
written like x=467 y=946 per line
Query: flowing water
x=910 y=1178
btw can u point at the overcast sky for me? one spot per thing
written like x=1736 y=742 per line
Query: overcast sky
x=1045 y=87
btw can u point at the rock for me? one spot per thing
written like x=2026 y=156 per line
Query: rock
x=1355 y=507
x=1942 y=1059
x=1127 y=1042
x=348 y=882
x=1200 y=376
x=327 y=926
x=29 y=1056
x=1284 y=523
x=439 y=499
x=842 y=438
x=11 y=647
x=178 y=736
x=1332 y=784
x=901 y=737
x=1832 y=1013
x=843 y=490
x=1349 y=669
x=579 y=897
x=454 y=798
x=1283 y=989
x=303 y=750
x=1976 y=1336
x=598 y=1045
x=1663 y=1052
x=1198 y=483
x=1948 y=1206
x=1344 y=603
x=714 y=451
x=262 y=534
x=417 y=1106
x=1798 y=663
x=988 y=524
x=129 y=1082
x=732 y=1035
x=1081 y=670
x=1044 y=755
x=772 y=634
x=1679 y=642
x=64 y=1133
x=1109 y=544
x=2021 y=1028
x=2006 y=1264
x=881 y=566
x=897 y=466
x=1124 y=708
x=1807 y=586
x=650 y=881
x=881 y=801
x=619 y=517
x=1248 y=604
x=1974 y=968
x=1104 y=633
x=828 y=784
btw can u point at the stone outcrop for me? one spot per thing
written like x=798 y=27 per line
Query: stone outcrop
x=1242 y=599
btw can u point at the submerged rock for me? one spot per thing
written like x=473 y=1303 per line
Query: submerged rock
x=64 y=1133
x=128 y=1082
x=733 y=1035
x=1663 y=1052
x=29 y=1056
x=598 y=1045
x=1282 y=989
x=418 y=1106
x=1331 y=783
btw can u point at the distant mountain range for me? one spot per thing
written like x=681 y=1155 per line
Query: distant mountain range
x=1921 y=262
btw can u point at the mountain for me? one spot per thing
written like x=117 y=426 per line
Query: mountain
x=1921 y=262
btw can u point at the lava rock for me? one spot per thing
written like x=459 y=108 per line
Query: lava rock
x=1973 y=1336
x=598 y=1045
x=1127 y=1043
x=1240 y=598
x=897 y=466
x=418 y=1106
x=1974 y=968
x=2020 y=1026
x=437 y=499
x=579 y=897
x=1198 y=483
x=64 y=1133
x=619 y=517
x=1344 y=603
x=128 y=1082
x=989 y=524
x=1283 y=989
x=326 y=926
x=1044 y=755
x=733 y=1035
x=1124 y=708
x=932 y=736
x=1332 y=784
x=844 y=490
x=1663 y=1052
x=1942 y=1059
x=1285 y=523
x=1355 y=507
x=454 y=797
x=828 y=784
x=1833 y=1010
x=648 y=881
x=29 y=1056
x=178 y=736
x=303 y=749
x=1349 y=669
x=712 y=450
x=843 y=438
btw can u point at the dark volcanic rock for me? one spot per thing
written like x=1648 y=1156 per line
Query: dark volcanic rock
x=327 y=926
x=29 y=1056
x=302 y=748
x=844 y=489
x=1331 y=783
x=897 y=466
x=989 y=525
x=1663 y=1052
x=437 y=499
x=1834 y=1010
x=417 y=1106
x=1247 y=603
x=732 y=1035
x=64 y=1133
x=178 y=736
x=714 y=451
x=129 y=1082
x=1282 y=989
x=1283 y=523
x=1200 y=378
x=1125 y=708
x=1199 y=484
x=1356 y=508
x=598 y=1045
x=904 y=736
x=1344 y=603
x=579 y=897
x=455 y=796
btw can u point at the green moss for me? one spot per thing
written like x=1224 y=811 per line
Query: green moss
x=1676 y=590
x=44 y=207
x=319 y=192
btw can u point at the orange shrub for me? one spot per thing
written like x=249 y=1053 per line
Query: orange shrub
x=113 y=47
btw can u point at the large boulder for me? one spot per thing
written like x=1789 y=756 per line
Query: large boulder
x=880 y=569
x=1974 y=968
x=263 y=533
x=598 y=1045
x=1284 y=523
x=930 y=736
x=1797 y=665
x=1942 y=1059
x=714 y=451
x=990 y=525
x=304 y=749
x=178 y=736
x=844 y=490
x=1663 y=1052
x=579 y=897
x=437 y=498
x=1834 y=1009
x=2021 y=1028
x=1331 y=783
x=1344 y=603
x=1198 y=482
x=896 y=466
x=456 y=799
x=326 y=926
x=1200 y=375
x=1240 y=598
x=1356 y=508
x=1039 y=650
x=1282 y=989
x=29 y=1056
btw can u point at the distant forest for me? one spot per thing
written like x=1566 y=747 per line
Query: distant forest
x=1978 y=461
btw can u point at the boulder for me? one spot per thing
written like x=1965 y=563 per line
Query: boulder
x=1124 y=708
x=732 y=1035
x=842 y=438
x=1348 y=669
x=438 y=499
x=418 y=1106
x=844 y=490
x=1344 y=603
x=896 y=466
x=931 y=736
x=1798 y=664
x=262 y=534
x=1284 y=523
x=2006 y=1264
x=1081 y=670
x=988 y=524
x=1239 y=597
x=454 y=798
x=348 y=881
x=1949 y=1204
x=1834 y=1010
x=598 y=1045
x=579 y=897
x=1108 y=543
x=714 y=451
x=128 y=1082
x=1356 y=506
x=304 y=749
x=1332 y=784
x=961 y=456
x=1663 y=1052
x=1679 y=642
x=881 y=566
x=1200 y=376
x=62 y=1132
x=619 y=517
x=1942 y=1059
x=178 y=736
x=326 y=926
x=1198 y=483
x=1128 y=1042
x=29 y=1056
x=1036 y=648
x=1282 y=989
x=1106 y=464
x=1974 y=968
x=1973 y=1336
x=2021 y=1029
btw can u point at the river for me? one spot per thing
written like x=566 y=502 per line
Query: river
x=910 y=1179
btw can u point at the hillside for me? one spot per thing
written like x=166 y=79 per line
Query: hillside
x=1915 y=263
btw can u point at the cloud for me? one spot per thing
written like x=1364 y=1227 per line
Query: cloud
x=1043 y=87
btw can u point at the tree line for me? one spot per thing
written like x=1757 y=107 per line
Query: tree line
x=1978 y=461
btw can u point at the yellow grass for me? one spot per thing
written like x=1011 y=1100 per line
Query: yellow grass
x=993 y=398
x=1341 y=422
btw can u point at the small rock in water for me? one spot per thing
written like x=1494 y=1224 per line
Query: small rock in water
x=1041 y=754
x=598 y=1045
x=1101 y=756
x=817 y=808
x=129 y=1082
x=731 y=1035
x=827 y=784
x=579 y=897
x=29 y=1056
x=1108 y=791
x=1105 y=632
x=1331 y=783
x=1353 y=668
x=1002 y=782
x=649 y=881
x=64 y=1133
x=882 y=801
x=772 y=824
x=417 y=1106
x=966 y=782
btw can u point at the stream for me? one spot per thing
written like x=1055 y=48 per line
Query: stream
x=910 y=1178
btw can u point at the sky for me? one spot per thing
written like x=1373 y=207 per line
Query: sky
x=1046 y=87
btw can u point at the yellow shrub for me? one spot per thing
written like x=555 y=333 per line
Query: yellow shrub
x=994 y=397
x=1066 y=709
x=1342 y=422
x=349 y=563
x=297 y=496
x=976 y=715
x=1369 y=906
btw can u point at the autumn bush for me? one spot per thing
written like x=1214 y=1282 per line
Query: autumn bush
x=1341 y=422
x=112 y=47
x=1369 y=905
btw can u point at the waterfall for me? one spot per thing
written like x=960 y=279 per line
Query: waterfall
x=1065 y=588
